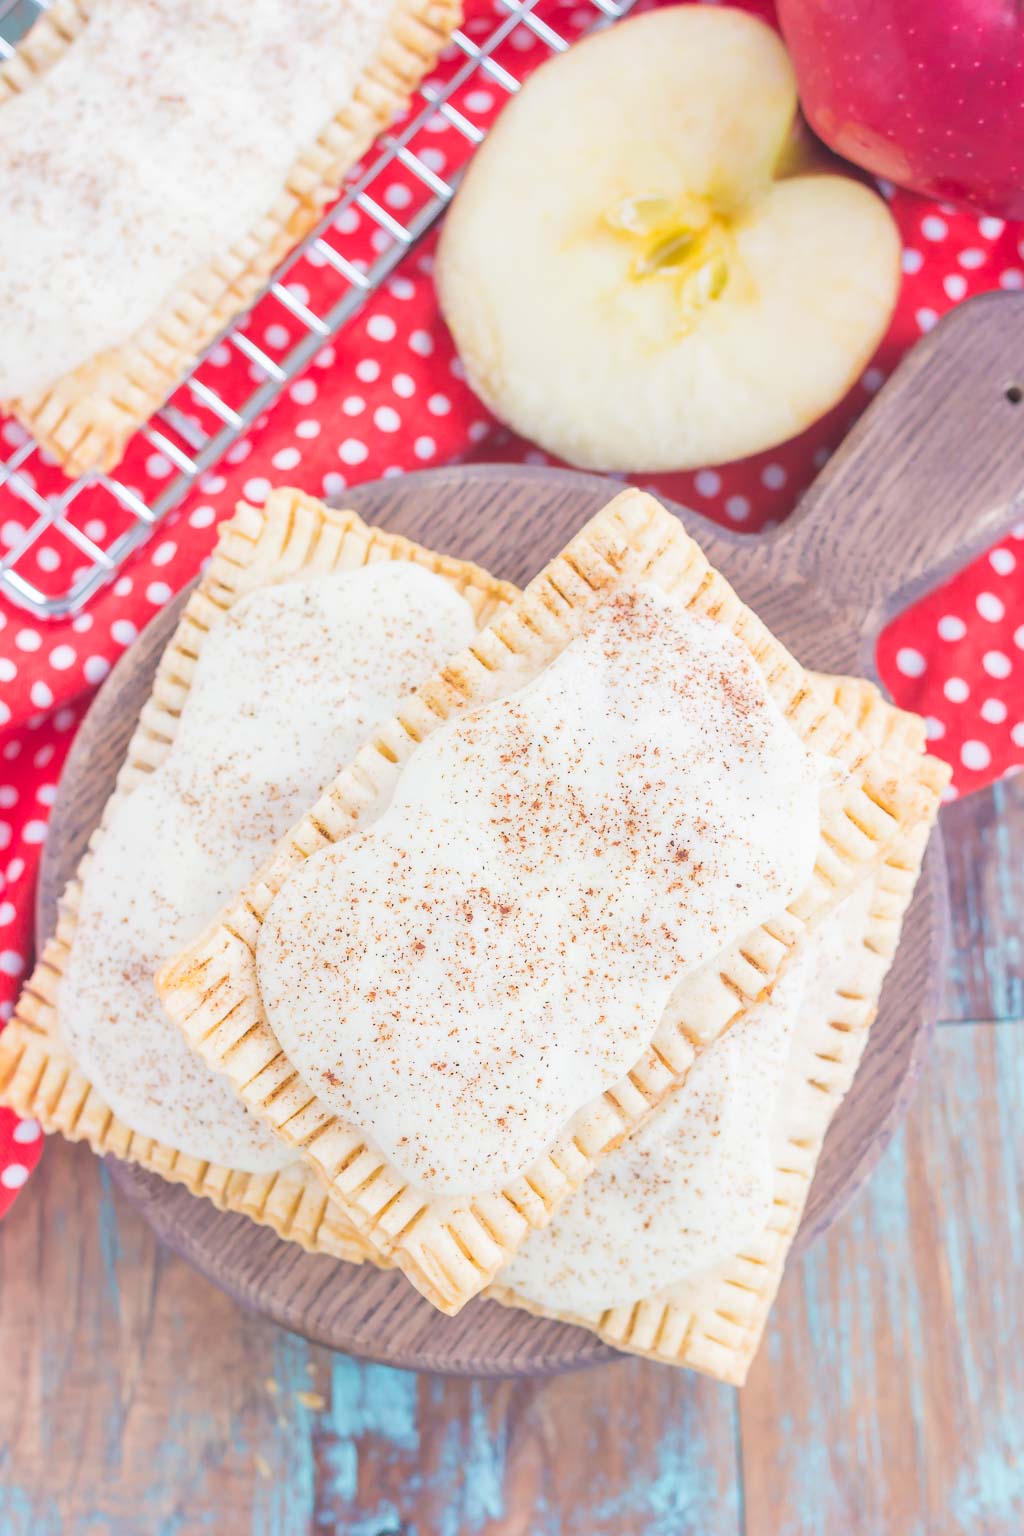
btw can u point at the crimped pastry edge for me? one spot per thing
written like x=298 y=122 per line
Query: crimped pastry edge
x=294 y=533
x=86 y=417
x=452 y=1254
x=715 y=1325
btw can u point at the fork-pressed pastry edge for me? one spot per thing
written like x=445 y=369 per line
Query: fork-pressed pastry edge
x=86 y=417
x=212 y=990
x=294 y=534
x=715 y=1325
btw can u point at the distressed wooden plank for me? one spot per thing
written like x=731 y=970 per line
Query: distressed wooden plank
x=984 y=836
x=890 y=1393
x=621 y=1450
x=145 y=1399
x=890 y=1396
x=138 y=1401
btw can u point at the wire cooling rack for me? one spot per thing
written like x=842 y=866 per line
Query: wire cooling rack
x=60 y=539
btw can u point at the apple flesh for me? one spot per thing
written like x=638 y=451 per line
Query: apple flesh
x=629 y=279
x=927 y=93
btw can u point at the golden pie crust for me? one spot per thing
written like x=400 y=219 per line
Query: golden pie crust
x=38 y=1077
x=86 y=417
x=714 y=1324
x=452 y=1250
x=43 y=45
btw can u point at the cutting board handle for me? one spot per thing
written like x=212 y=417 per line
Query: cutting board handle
x=931 y=475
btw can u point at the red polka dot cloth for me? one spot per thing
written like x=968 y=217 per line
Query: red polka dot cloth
x=389 y=395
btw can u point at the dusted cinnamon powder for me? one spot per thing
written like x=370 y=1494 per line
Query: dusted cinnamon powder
x=694 y=1186
x=286 y=687
x=157 y=142
x=498 y=947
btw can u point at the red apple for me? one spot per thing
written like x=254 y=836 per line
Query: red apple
x=927 y=93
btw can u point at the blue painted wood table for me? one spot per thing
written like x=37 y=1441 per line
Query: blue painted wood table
x=888 y=1399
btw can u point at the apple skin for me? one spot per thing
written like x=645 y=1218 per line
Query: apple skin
x=927 y=93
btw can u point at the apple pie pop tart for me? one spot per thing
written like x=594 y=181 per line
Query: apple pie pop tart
x=548 y=869
x=448 y=989
x=675 y=1247
x=305 y=631
x=162 y=158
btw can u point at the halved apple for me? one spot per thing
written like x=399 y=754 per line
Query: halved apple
x=633 y=277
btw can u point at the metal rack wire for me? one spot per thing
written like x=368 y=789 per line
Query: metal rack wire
x=61 y=540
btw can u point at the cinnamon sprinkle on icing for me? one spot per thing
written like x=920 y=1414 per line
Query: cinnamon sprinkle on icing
x=694 y=1185
x=286 y=687
x=549 y=867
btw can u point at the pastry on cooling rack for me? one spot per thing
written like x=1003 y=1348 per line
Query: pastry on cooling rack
x=161 y=158
x=635 y=270
x=579 y=854
x=303 y=634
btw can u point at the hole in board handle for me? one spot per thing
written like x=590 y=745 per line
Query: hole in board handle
x=1013 y=393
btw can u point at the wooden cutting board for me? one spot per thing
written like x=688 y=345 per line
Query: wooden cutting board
x=930 y=475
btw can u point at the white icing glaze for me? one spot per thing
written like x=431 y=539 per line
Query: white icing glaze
x=286 y=688
x=548 y=867
x=160 y=138
x=685 y=1191
x=694 y=1185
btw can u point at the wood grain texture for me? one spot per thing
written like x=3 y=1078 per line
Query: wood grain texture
x=146 y=1403
x=888 y=1401
x=930 y=475
x=511 y=521
x=984 y=841
x=901 y=1332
